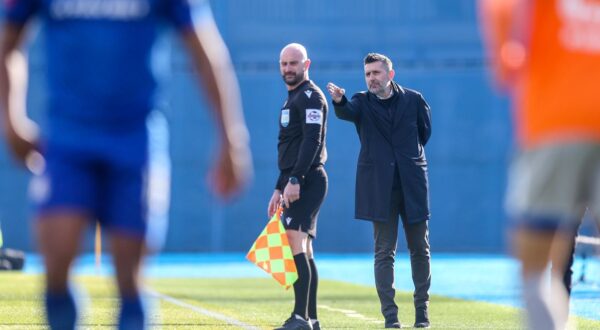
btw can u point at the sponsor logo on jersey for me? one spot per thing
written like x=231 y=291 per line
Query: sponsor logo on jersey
x=308 y=93
x=288 y=220
x=314 y=116
x=100 y=9
x=285 y=117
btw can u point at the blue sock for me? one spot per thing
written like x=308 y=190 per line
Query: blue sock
x=61 y=310
x=131 y=316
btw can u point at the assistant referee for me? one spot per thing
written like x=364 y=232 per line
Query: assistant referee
x=302 y=178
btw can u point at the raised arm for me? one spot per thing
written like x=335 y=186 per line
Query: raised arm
x=211 y=57
x=344 y=109
x=20 y=132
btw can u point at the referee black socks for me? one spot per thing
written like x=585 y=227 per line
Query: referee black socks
x=302 y=285
x=314 y=282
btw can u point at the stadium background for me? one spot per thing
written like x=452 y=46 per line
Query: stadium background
x=436 y=49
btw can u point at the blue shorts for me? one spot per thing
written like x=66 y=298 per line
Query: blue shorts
x=102 y=175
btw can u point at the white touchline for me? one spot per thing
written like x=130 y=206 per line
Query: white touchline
x=349 y=313
x=201 y=310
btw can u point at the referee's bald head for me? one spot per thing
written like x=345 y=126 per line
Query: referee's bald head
x=295 y=48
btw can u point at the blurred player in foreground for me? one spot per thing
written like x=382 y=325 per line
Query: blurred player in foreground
x=98 y=56
x=547 y=55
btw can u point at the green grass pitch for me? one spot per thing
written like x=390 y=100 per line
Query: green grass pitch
x=252 y=303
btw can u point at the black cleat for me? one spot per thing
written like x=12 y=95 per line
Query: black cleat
x=295 y=323
x=421 y=318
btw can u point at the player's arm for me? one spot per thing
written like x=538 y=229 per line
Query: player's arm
x=20 y=132
x=504 y=25
x=211 y=58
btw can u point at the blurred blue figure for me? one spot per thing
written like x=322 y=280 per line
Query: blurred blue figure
x=95 y=150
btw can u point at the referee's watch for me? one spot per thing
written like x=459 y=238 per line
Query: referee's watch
x=293 y=180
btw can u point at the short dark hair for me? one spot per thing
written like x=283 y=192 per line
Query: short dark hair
x=376 y=57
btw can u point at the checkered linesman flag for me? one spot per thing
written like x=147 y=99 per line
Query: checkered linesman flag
x=272 y=253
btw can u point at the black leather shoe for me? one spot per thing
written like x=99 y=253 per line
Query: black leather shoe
x=394 y=324
x=316 y=326
x=295 y=323
x=421 y=318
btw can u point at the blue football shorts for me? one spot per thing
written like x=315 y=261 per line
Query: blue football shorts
x=101 y=176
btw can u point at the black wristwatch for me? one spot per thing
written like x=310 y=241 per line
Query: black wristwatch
x=293 y=180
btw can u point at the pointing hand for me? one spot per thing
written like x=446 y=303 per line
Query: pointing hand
x=336 y=92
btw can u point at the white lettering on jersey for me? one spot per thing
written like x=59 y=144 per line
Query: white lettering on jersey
x=100 y=9
x=285 y=117
x=288 y=220
x=580 y=25
x=314 y=116
x=308 y=93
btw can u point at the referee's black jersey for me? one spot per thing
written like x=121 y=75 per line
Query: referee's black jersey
x=302 y=126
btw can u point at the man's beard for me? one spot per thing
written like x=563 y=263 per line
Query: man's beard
x=293 y=81
x=377 y=88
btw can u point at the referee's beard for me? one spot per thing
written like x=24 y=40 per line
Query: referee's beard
x=293 y=78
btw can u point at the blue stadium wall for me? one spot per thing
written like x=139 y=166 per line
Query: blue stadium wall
x=436 y=49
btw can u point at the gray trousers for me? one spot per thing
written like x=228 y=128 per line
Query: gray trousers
x=386 y=238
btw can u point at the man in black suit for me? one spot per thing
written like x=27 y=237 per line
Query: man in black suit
x=393 y=124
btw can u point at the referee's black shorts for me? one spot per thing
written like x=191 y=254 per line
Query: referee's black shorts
x=302 y=214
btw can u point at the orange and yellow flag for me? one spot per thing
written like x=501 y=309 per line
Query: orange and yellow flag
x=272 y=253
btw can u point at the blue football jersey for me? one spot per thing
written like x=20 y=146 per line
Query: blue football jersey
x=98 y=53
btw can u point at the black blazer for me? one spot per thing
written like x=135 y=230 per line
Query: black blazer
x=387 y=141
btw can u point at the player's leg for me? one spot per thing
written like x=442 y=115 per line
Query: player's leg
x=127 y=254
x=566 y=276
x=546 y=306
x=59 y=234
x=545 y=196
x=125 y=199
x=65 y=196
